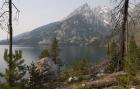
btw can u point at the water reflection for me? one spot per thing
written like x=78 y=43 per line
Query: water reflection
x=69 y=54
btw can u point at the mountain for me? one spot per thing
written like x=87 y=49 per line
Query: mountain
x=83 y=26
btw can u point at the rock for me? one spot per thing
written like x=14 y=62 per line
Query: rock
x=47 y=64
x=83 y=85
x=70 y=79
x=132 y=88
x=100 y=74
x=73 y=79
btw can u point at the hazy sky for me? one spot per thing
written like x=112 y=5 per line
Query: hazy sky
x=35 y=13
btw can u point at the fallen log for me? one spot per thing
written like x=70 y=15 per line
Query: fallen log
x=106 y=81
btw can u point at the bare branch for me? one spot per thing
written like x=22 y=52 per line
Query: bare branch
x=4 y=4
x=3 y=14
x=134 y=5
x=15 y=7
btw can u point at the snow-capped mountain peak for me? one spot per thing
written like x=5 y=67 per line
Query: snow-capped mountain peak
x=83 y=10
x=99 y=13
x=84 y=7
x=103 y=13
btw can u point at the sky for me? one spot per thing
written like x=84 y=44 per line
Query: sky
x=35 y=13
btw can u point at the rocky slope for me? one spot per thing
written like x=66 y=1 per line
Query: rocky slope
x=83 y=26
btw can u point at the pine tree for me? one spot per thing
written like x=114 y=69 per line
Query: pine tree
x=131 y=64
x=6 y=17
x=44 y=53
x=81 y=68
x=38 y=78
x=35 y=78
x=54 y=51
x=113 y=50
x=54 y=54
x=113 y=56
x=17 y=68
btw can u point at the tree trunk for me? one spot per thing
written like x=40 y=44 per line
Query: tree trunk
x=10 y=43
x=123 y=34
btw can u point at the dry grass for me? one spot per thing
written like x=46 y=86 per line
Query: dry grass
x=76 y=86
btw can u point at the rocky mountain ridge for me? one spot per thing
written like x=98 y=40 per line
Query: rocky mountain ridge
x=84 y=26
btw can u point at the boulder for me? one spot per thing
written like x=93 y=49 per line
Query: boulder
x=46 y=64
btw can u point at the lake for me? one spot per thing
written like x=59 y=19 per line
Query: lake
x=68 y=54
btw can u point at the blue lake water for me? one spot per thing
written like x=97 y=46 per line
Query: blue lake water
x=69 y=54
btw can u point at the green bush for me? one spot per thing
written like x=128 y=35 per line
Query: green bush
x=80 y=68
x=125 y=80
x=5 y=86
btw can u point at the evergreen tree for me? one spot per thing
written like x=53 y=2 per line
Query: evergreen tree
x=44 y=53
x=131 y=64
x=113 y=56
x=81 y=68
x=16 y=69
x=39 y=78
x=54 y=51
x=6 y=18
x=113 y=50
x=35 y=79
x=54 y=54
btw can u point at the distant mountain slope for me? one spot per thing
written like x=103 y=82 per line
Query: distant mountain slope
x=83 y=26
